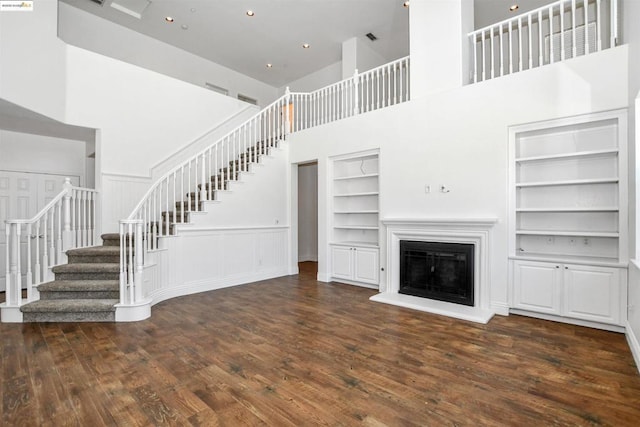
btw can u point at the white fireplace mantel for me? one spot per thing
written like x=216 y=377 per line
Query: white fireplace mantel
x=475 y=231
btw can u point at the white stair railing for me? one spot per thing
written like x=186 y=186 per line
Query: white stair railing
x=37 y=244
x=183 y=189
x=562 y=30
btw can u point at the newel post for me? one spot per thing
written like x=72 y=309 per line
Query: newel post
x=356 y=94
x=287 y=111
x=67 y=235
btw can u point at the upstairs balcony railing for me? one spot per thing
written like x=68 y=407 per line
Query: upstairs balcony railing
x=185 y=188
x=562 y=30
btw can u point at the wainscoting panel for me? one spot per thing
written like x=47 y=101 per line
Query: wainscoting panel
x=119 y=195
x=208 y=259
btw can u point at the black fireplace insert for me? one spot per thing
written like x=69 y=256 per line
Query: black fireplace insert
x=437 y=270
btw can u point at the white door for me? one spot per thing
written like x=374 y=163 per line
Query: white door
x=537 y=286
x=22 y=195
x=366 y=265
x=341 y=262
x=592 y=293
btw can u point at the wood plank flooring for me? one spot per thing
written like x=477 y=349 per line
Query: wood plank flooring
x=296 y=352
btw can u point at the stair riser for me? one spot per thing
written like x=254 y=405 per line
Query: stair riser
x=88 y=259
x=88 y=276
x=102 y=316
x=59 y=295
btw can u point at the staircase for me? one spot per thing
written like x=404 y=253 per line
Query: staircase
x=84 y=290
x=87 y=288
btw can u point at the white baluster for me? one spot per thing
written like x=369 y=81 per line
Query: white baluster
x=573 y=24
x=520 y=51
x=137 y=295
x=562 y=44
x=123 y=264
x=530 y=39
x=58 y=216
x=484 y=58
x=614 y=23
x=599 y=24
x=67 y=237
x=493 y=60
x=7 y=275
x=510 y=35
x=540 y=42
x=30 y=287
x=37 y=267
x=475 y=57
x=551 y=44
x=587 y=47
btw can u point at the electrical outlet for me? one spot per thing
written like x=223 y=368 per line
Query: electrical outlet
x=427 y=189
x=586 y=242
x=551 y=240
x=572 y=241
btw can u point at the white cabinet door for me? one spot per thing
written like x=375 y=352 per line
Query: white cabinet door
x=341 y=262
x=592 y=293
x=366 y=265
x=537 y=286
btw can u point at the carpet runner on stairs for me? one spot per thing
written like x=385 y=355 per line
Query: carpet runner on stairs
x=84 y=290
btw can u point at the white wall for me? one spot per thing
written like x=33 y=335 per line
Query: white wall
x=319 y=79
x=23 y=152
x=32 y=60
x=88 y=31
x=459 y=138
x=308 y=212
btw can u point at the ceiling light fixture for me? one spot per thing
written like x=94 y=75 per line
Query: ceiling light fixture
x=514 y=8
x=269 y=65
x=306 y=45
x=406 y=4
x=168 y=19
x=250 y=13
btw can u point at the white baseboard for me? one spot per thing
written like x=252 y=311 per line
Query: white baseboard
x=10 y=314
x=634 y=345
x=500 y=308
x=133 y=313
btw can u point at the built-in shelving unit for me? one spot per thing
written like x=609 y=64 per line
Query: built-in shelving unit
x=355 y=219
x=568 y=213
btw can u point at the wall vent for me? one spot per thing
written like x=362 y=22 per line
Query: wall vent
x=217 y=89
x=247 y=99
x=100 y=2
x=371 y=37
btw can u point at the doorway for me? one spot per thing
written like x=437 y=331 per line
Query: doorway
x=308 y=218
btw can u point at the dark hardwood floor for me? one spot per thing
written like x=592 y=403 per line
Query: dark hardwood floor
x=292 y=351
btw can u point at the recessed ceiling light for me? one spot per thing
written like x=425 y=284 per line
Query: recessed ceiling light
x=184 y=26
x=406 y=4
x=168 y=19
x=250 y=13
x=269 y=65
x=306 y=45
x=193 y=9
x=514 y=8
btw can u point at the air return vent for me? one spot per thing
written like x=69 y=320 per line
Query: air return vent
x=100 y=2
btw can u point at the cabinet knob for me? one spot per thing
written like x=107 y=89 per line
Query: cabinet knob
x=557 y=266
x=566 y=268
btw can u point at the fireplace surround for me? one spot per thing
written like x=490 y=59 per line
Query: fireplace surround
x=468 y=231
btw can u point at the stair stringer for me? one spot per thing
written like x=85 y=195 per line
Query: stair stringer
x=241 y=237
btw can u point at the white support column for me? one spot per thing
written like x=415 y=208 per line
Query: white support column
x=438 y=32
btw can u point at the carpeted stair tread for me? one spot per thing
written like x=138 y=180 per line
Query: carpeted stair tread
x=73 y=306
x=95 y=250
x=87 y=268
x=79 y=286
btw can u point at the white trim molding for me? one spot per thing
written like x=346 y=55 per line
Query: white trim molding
x=475 y=231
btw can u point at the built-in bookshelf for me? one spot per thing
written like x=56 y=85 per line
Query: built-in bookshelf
x=355 y=219
x=355 y=200
x=568 y=216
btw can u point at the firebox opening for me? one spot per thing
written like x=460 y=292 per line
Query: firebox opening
x=437 y=270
